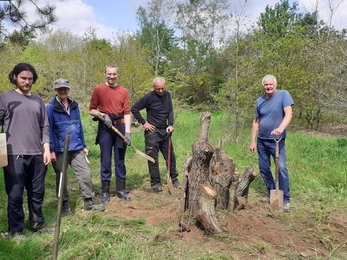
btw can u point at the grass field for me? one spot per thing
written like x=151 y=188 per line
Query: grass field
x=317 y=168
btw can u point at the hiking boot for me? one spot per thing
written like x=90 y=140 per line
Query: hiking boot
x=286 y=207
x=122 y=194
x=65 y=209
x=44 y=229
x=176 y=184
x=157 y=187
x=89 y=205
x=265 y=200
x=12 y=234
x=16 y=236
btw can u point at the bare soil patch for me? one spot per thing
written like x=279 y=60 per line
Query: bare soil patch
x=251 y=233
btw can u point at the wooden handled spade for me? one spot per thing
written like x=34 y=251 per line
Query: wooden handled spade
x=3 y=150
x=276 y=196
x=149 y=158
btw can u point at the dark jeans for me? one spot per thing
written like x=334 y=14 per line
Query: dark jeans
x=266 y=150
x=26 y=171
x=108 y=141
x=158 y=141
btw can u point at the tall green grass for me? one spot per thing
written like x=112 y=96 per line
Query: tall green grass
x=317 y=168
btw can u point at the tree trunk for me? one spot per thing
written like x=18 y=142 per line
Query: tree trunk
x=208 y=175
x=199 y=174
x=206 y=214
x=222 y=176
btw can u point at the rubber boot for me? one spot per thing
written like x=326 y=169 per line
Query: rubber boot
x=105 y=193
x=65 y=209
x=120 y=189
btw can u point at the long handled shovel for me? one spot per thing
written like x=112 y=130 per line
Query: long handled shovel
x=276 y=196
x=60 y=196
x=149 y=158
x=168 y=174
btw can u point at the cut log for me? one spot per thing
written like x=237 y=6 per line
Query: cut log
x=242 y=187
x=206 y=216
x=222 y=175
x=205 y=120
x=199 y=174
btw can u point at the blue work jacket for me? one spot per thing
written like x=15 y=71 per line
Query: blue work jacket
x=62 y=123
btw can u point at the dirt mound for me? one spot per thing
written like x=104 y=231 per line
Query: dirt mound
x=253 y=232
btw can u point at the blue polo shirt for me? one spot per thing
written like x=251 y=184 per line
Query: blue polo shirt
x=270 y=111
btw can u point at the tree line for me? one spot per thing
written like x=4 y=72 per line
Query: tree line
x=211 y=58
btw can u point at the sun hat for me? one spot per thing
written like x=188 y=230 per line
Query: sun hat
x=61 y=83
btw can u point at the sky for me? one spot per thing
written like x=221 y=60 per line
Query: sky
x=111 y=17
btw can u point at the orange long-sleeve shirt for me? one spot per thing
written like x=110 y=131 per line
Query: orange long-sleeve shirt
x=110 y=100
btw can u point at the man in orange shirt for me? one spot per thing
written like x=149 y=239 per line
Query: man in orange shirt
x=111 y=101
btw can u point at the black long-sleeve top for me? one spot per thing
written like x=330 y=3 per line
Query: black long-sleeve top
x=159 y=109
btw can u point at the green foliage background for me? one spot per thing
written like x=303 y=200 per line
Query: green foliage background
x=212 y=64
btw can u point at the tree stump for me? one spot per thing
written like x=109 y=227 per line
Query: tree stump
x=208 y=175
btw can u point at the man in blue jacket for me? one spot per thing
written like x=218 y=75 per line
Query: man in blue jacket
x=64 y=118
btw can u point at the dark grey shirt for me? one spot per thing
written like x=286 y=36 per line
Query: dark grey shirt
x=24 y=120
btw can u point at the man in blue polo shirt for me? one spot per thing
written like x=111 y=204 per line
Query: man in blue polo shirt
x=272 y=116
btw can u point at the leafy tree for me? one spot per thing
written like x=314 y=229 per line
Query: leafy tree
x=155 y=34
x=279 y=20
x=21 y=38
x=136 y=74
x=8 y=56
x=295 y=48
x=202 y=24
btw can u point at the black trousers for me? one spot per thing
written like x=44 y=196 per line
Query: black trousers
x=26 y=171
x=156 y=141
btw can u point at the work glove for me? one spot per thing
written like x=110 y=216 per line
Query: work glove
x=128 y=139
x=108 y=121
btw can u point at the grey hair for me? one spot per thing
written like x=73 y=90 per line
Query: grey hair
x=269 y=77
x=157 y=79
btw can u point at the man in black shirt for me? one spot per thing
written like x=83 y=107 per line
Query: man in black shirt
x=158 y=129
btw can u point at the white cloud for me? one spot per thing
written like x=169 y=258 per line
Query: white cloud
x=77 y=16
